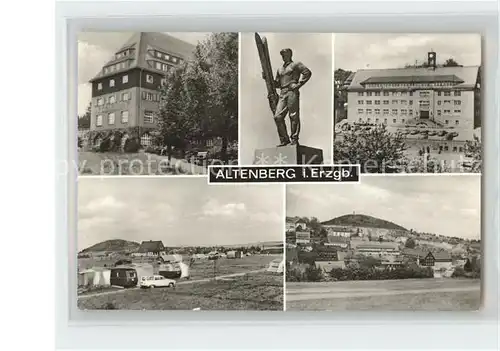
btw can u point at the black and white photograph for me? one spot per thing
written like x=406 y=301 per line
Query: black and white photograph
x=286 y=103
x=408 y=103
x=177 y=243
x=389 y=243
x=156 y=103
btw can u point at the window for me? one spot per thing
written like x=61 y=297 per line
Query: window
x=394 y=93
x=447 y=101
x=368 y=93
x=124 y=116
x=106 y=70
x=125 y=96
x=386 y=111
x=360 y=102
x=149 y=78
x=394 y=111
x=360 y=110
x=458 y=93
x=460 y=149
x=394 y=120
x=386 y=102
x=411 y=93
x=386 y=93
x=148 y=117
x=98 y=121
x=403 y=112
x=439 y=112
x=174 y=59
x=164 y=67
x=100 y=102
x=99 y=86
x=377 y=102
x=447 y=111
x=447 y=93
x=446 y=122
x=377 y=111
x=439 y=93
x=158 y=65
x=111 y=82
x=111 y=118
x=403 y=120
x=376 y=120
x=368 y=102
x=394 y=102
x=377 y=93
x=369 y=111
x=457 y=102
x=369 y=120
x=439 y=102
x=404 y=102
x=446 y=148
x=360 y=93
x=410 y=112
x=167 y=57
x=125 y=79
x=112 y=99
x=457 y=111
x=146 y=140
x=411 y=102
x=454 y=148
x=403 y=93
x=457 y=122
x=158 y=54
x=360 y=119
x=385 y=120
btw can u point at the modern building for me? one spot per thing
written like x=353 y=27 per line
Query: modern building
x=125 y=93
x=302 y=237
x=337 y=241
x=435 y=105
x=377 y=250
x=337 y=231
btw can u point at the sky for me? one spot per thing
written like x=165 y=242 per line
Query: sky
x=180 y=211
x=257 y=127
x=441 y=204
x=358 y=51
x=97 y=48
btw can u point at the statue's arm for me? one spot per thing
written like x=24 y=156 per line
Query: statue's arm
x=305 y=74
x=277 y=79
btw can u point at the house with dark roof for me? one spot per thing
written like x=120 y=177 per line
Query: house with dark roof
x=125 y=92
x=433 y=103
x=151 y=248
x=340 y=242
x=426 y=258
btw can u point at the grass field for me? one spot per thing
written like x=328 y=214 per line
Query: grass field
x=205 y=269
x=395 y=295
x=258 y=291
x=115 y=163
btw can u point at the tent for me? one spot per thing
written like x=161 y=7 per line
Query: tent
x=276 y=266
x=96 y=276
x=184 y=270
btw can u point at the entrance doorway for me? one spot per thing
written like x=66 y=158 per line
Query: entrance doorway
x=424 y=114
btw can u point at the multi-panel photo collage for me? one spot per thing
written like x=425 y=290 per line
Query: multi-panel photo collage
x=157 y=111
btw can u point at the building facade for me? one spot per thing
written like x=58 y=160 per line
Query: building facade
x=437 y=104
x=125 y=93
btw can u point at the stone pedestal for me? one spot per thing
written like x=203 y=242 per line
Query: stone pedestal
x=288 y=155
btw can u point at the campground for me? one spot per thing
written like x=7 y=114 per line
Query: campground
x=234 y=284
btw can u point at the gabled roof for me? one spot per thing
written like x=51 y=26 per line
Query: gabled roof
x=442 y=256
x=335 y=239
x=465 y=76
x=151 y=246
x=377 y=245
x=414 y=252
x=141 y=42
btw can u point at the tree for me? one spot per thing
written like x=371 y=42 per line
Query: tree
x=375 y=149
x=451 y=63
x=217 y=58
x=410 y=243
x=340 y=77
x=175 y=124
x=474 y=149
x=84 y=120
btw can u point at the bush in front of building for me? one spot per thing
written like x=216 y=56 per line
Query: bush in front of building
x=374 y=274
x=131 y=145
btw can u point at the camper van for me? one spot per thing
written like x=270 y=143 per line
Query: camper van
x=126 y=277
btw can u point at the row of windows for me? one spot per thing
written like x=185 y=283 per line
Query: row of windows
x=112 y=82
x=162 y=66
x=404 y=93
x=448 y=112
x=148 y=118
x=394 y=120
x=385 y=111
x=413 y=85
x=112 y=99
x=116 y=67
x=150 y=96
x=124 y=53
x=407 y=102
x=167 y=57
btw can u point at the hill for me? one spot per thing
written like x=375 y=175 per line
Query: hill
x=113 y=246
x=358 y=220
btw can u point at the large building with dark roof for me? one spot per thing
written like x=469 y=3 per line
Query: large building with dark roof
x=436 y=103
x=125 y=92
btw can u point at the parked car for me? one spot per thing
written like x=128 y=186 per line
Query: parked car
x=125 y=277
x=156 y=281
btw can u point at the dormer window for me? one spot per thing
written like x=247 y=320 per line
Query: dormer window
x=111 y=82
x=149 y=78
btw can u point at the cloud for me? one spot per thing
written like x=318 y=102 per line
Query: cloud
x=266 y=217
x=104 y=203
x=214 y=208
